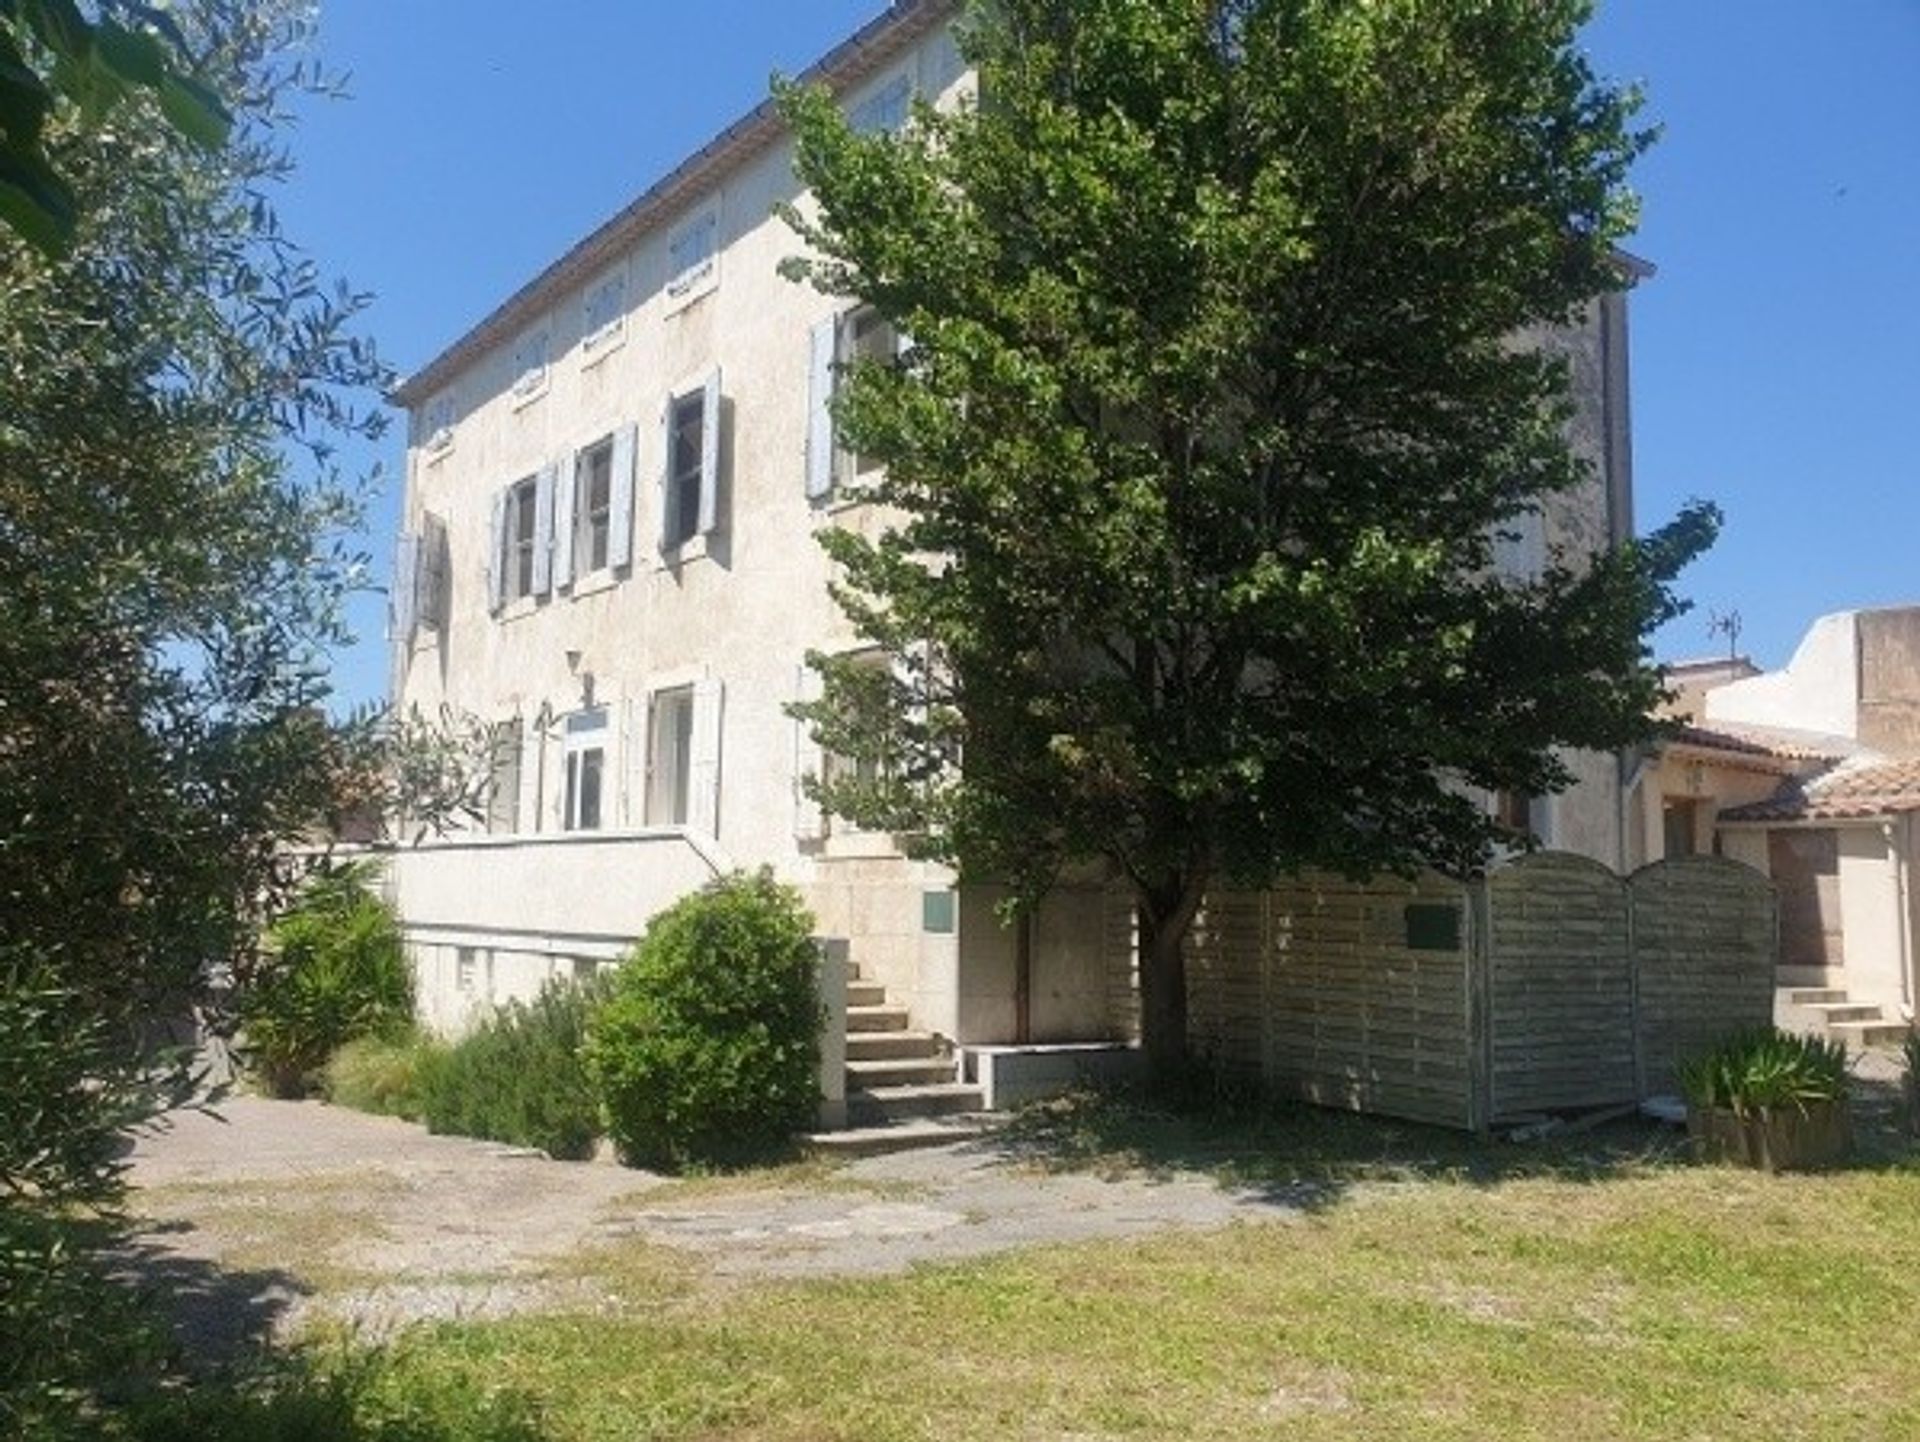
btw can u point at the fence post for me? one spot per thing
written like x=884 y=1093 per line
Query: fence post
x=831 y=975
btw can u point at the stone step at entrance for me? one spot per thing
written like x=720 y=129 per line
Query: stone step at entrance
x=1820 y=1007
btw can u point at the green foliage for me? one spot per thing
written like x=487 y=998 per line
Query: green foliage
x=520 y=1076
x=1211 y=426
x=1763 y=1068
x=52 y=52
x=384 y=1075
x=708 y=1051
x=337 y=970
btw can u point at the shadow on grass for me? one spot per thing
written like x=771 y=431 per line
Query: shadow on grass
x=1298 y=1155
x=216 y=1314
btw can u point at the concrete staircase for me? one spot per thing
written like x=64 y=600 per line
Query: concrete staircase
x=1816 y=1004
x=903 y=1086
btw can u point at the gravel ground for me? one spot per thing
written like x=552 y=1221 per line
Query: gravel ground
x=275 y=1213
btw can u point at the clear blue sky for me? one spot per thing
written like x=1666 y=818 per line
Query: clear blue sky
x=1776 y=355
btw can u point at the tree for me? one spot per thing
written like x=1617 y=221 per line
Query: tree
x=49 y=52
x=1211 y=416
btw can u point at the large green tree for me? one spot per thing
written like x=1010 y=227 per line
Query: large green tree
x=1218 y=397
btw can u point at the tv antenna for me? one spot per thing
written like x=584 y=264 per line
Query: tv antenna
x=1726 y=623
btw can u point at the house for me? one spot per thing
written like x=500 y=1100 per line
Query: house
x=614 y=484
x=1839 y=729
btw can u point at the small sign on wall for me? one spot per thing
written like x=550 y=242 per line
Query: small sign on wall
x=1433 y=926
x=937 y=913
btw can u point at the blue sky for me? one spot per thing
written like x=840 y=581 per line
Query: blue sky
x=1776 y=355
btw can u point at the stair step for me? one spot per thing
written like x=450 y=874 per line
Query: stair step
x=900 y=1136
x=896 y=1103
x=1822 y=976
x=1839 y=1011
x=866 y=993
x=880 y=1045
x=864 y=1076
x=876 y=1018
x=1870 y=1033
x=1813 y=995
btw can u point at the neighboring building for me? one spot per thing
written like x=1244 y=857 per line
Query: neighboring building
x=1839 y=837
x=613 y=488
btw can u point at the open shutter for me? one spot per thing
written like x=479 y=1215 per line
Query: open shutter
x=567 y=468
x=430 y=585
x=543 y=532
x=703 y=781
x=496 y=542
x=809 y=821
x=820 y=410
x=710 y=454
x=664 y=478
x=626 y=444
x=403 y=610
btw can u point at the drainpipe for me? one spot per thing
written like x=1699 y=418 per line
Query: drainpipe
x=1023 y=980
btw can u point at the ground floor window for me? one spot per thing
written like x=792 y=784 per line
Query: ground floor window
x=586 y=766
x=670 y=757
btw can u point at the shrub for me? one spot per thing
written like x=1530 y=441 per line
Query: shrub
x=708 y=1051
x=1764 y=1067
x=335 y=971
x=380 y=1074
x=519 y=1076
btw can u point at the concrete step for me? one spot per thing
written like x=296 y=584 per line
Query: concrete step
x=900 y=1136
x=864 y=1076
x=1858 y=1034
x=898 y=1103
x=1809 y=976
x=1813 y=995
x=876 y=1018
x=866 y=993
x=880 y=1045
x=1838 y=1011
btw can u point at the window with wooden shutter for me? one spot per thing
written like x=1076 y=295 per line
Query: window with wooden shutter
x=823 y=344
x=865 y=336
x=693 y=257
x=625 y=460
x=543 y=531
x=690 y=469
x=431 y=580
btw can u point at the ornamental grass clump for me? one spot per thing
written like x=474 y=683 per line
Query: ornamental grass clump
x=1765 y=1069
x=708 y=1053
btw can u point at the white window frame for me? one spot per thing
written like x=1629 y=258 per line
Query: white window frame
x=886 y=107
x=532 y=363
x=847 y=472
x=585 y=742
x=669 y=791
x=603 y=315
x=523 y=499
x=583 y=519
x=689 y=499
x=693 y=273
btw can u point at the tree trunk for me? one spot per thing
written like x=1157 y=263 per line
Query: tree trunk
x=1164 y=914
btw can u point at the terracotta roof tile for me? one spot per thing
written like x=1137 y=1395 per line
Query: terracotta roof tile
x=1749 y=740
x=1852 y=791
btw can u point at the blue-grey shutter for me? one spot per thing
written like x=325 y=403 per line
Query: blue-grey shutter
x=820 y=409
x=809 y=821
x=402 y=597
x=626 y=445
x=543 y=532
x=567 y=468
x=710 y=454
x=496 y=543
x=703 y=760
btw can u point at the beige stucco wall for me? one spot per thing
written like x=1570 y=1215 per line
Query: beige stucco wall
x=1870 y=910
x=743 y=610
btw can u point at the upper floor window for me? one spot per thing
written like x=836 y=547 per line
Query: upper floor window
x=586 y=761
x=838 y=344
x=436 y=426
x=530 y=366
x=886 y=109
x=520 y=539
x=605 y=313
x=592 y=517
x=690 y=480
x=693 y=256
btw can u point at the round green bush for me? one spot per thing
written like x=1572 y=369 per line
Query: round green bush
x=335 y=970
x=708 y=1051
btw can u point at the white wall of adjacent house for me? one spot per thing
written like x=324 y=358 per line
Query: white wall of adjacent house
x=1817 y=690
x=624 y=501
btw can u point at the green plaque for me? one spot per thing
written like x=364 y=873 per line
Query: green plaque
x=937 y=912
x=1433 y=926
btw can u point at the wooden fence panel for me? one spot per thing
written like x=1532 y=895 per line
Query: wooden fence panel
x=1560 y=980
x=1705 y=942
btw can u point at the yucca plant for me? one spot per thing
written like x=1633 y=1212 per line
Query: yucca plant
x=1763 y=1068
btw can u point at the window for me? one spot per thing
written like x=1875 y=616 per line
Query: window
x=606 y=313
x=1680 y=826
x=689 y=480
x=691 y=256
x=503 y=780
x=864 y=336
x=436 y=425
x=670 y=758
x=887 y=109
x=518 y=540
x=473 y=972
x=586 y=759
x=874 y=699
x=593 y=508
x=585 y=969
x=1513 y=810
x=530 y=366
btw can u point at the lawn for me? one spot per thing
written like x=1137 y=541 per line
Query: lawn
x=1597 y=1289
